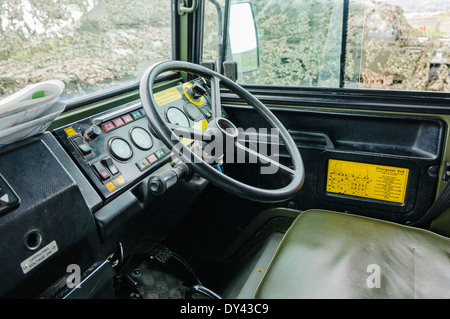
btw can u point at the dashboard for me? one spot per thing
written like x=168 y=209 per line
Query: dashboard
x=118 y=147
x=73 y=195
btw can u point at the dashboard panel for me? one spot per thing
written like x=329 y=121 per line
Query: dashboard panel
x=116 y=148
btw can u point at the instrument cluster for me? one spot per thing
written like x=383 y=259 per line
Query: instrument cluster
x=118 y=147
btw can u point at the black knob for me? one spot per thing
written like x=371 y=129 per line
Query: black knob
x=197 y=91
x=93 y=132
x=158 y=184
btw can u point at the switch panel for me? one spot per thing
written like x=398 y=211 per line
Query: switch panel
x=118 y=148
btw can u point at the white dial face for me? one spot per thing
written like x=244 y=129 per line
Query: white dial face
x=141 y=138
x=177 y=117
x=120 y=149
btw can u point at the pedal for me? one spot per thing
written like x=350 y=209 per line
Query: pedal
x=161 y=254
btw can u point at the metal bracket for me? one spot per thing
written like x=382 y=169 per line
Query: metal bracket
x=446 y=174
x=182 y=9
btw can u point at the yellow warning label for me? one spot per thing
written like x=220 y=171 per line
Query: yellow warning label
x=200 y=125
x=70 y=131
x=167 y=96
x=367 y=180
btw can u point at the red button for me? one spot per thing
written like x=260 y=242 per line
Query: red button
x=118 y=122
x=127 y=118
x=152 y=158
x=108 y=126
x=104 y=174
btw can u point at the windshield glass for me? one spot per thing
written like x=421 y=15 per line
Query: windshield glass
x=373 y=44
x=90 y=45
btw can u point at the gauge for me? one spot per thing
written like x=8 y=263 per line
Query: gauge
x=193 y=112
x=141 y=138
x=120 y=149
x=177 y=117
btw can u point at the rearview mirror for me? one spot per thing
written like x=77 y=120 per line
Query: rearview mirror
x=243 y=37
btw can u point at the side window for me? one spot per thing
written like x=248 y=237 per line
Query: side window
x=405 y=45
x=90 y=45
x=376 y=44
x=299 y=43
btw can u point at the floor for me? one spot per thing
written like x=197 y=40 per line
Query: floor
x=160 y=281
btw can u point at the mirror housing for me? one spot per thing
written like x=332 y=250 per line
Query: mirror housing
x=243 y=37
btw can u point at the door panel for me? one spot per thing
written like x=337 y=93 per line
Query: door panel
x=390 y=162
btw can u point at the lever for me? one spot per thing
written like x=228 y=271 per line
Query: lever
x=197 y=91
x=160 y=183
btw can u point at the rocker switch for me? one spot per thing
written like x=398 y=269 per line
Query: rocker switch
x=100 y=170
x=81 y=146
x=109 y=164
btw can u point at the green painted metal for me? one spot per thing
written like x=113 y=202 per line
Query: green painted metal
x=98 y=107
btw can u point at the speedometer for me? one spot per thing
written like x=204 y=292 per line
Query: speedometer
x=177 y=117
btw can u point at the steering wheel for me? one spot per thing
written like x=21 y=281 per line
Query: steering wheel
x=220 y=128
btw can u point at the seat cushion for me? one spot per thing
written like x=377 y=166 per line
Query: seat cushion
x=334 y=255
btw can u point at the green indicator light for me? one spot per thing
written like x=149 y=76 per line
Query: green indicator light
x=160 y=153
x=136 y=115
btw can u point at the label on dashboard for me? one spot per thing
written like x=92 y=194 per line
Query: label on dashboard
x=70 y=131
x=379 y=182
x=40 y=256
x=200 y=125
x=167 y=96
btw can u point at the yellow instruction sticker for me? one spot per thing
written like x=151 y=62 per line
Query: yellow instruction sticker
x=70 y=131
x=367 y=180
x=167 y=96
x=200 y=125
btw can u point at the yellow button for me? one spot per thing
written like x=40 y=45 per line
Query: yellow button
x=120 y=180
x=110 y=186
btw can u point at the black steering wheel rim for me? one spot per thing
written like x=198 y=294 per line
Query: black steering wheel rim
x=204 y=169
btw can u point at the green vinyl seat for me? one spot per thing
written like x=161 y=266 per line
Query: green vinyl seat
x=327 y=254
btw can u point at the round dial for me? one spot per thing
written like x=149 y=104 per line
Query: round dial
x=177 y=117
x=193 y=112
x=120 y=149
x=141 y=138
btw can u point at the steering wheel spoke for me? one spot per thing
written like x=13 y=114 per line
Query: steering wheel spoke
x=270 y=164
x=216 y=102
x=189 y=133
